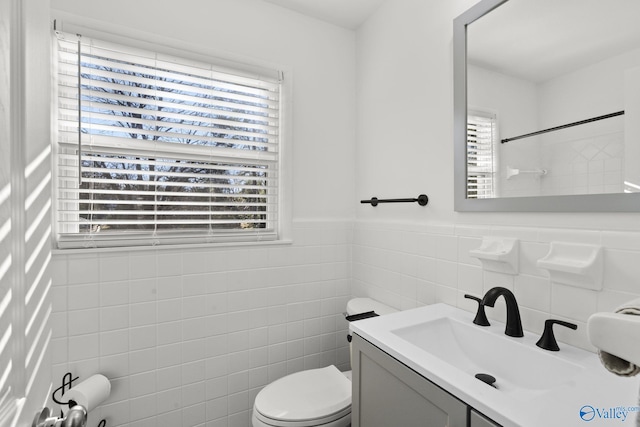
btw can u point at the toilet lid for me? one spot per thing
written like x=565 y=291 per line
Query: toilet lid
x=305 y=395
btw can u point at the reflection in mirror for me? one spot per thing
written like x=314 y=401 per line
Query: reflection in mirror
x=546 y=98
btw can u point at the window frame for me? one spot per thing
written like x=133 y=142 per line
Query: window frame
x=491 y=121
x=222 y=61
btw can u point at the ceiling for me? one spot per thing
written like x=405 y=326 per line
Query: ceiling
x=344 y=13
x=535 y=40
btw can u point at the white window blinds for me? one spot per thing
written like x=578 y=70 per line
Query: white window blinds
x=481 y=137
x=154 y=149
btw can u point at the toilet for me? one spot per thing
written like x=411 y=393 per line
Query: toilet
x=315 y=397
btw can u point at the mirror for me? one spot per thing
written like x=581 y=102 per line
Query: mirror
x=546 y=95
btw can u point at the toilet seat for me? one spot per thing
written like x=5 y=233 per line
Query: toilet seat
x=259 y=420
x=303 y=399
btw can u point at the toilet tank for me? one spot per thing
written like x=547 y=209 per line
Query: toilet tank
x=363 y=305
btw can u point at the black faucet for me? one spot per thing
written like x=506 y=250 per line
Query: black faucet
x=548 y=340
x=514 y=324
x=481 y=317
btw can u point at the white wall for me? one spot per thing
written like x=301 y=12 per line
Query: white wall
x=405 y=108
x=591 y=91
x=408 y=255
x=631 y=132
x=588 y=158
x=405 y=88
x=514 y=101
x=189 y=336
x=25 y=201
x=319 y=56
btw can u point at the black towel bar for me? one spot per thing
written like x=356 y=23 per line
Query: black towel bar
x=421 y=199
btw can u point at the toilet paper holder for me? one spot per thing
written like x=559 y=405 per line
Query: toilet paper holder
x=75 y=417
x=94 y=390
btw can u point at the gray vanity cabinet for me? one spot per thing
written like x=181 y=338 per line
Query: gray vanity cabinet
x=388 y=393
x=476 y=419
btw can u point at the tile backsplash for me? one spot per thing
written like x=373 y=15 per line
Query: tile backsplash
x=409 y=265
x=584 y=165
x=188 y=337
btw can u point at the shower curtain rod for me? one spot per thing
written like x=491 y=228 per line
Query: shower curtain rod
x=568 y=125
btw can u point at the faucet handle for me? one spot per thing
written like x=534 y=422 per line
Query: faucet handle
x=481 y=317
x=548 y=341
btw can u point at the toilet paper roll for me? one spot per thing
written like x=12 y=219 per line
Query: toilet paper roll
x=90 y=392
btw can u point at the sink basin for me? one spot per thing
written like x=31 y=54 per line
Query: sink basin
x=522 y=370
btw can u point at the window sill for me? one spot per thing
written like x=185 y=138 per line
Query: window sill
x=76 y=251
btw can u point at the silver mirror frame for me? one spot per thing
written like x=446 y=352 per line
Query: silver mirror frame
x=619 y=202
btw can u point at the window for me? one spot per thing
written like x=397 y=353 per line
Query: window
x=481 y=139
x=154 y=149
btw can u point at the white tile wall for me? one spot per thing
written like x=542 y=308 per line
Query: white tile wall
x=188 y=337
x=442 y=271
x=584 y=165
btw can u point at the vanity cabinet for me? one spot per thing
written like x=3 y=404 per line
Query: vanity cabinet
x=476 y=419
x=388 y=393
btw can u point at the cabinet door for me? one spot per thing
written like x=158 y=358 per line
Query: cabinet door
x=388 y=393
x=476 y=419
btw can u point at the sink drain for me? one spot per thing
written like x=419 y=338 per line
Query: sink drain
x=486 y=378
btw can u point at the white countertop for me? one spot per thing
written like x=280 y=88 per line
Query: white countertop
x=597 y=392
